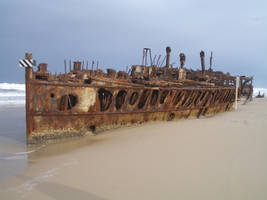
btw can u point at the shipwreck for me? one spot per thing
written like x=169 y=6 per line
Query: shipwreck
x=85 y=101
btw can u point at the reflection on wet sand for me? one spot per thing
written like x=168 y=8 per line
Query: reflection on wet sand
x=63 y=146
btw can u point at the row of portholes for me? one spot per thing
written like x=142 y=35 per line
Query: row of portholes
x=105 y=98
x=182 y=98
x=200 y=98
x=189 y=98
x=67 y=102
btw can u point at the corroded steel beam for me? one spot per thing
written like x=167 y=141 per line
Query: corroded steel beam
x=168 y=53
x=202 y=57
x=182 y=60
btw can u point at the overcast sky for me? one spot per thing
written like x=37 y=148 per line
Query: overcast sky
x=115 y=31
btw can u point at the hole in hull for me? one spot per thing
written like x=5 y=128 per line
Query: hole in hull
x=88 y=81
x=72 y=101
x=105 y=98
x=178 y=97
x=171 y=117
x=143 y=99
x=186 y=98
x=120 y=98
x=40 y=77
x=133 y=98
x=163 y=96
x=92 y=128
x=154 y=97
x=67 y=102
x=198 y=96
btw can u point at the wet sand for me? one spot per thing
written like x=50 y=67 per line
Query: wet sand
x=12 y=140
x=222 y=157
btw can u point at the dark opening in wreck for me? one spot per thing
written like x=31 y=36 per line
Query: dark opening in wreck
x=67 y=102
x=120 y=98
x=105 y=98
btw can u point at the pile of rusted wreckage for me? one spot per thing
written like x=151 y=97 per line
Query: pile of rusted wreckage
x=85 y=101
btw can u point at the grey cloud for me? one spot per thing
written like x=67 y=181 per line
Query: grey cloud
x=114 y=32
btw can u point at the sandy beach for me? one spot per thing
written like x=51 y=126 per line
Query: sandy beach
x=222 y=157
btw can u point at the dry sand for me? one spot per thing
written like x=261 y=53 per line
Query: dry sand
x=222 y=157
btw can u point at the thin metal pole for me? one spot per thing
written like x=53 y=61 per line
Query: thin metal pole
x=153 y=62
x=143 y=57
x=158 y=60
x=65 y=66
x=236 y=91
x=211 y=60
x=163 y=61
x=93 y=65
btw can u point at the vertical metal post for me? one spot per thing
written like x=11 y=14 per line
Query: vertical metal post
x=210 y=61
x=182 y=60
x=143 y=61
x=145 y=56
x=28 y=77
x=65 y=66
x=158 y=60
x=154 y=59
x=93 y=65
x=202 y=57
x=151 y=62
x=168 y=52
x=236 y=90
x=163 y=61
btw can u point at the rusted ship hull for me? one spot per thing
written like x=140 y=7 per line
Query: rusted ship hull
x=85 y=101
x=47 y=121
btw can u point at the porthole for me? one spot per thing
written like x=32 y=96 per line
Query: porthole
x=143 y=99
x=120 y=98
x=105 y=98
x=67 y=102
x=163 y=96
x=133 y=98
x=154 y=97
